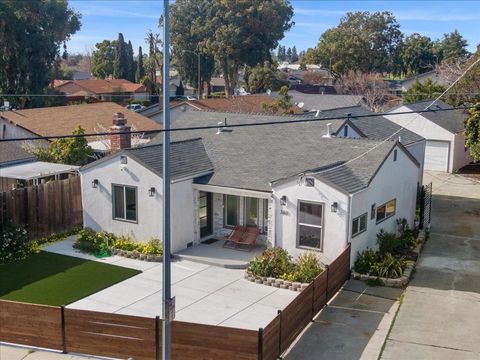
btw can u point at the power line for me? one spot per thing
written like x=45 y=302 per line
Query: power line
x=226 y=125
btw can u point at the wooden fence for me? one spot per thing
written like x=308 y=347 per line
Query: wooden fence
x=125 y=336
x=44 y=209
x=289 y=323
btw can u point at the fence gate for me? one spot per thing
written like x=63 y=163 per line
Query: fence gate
x=426 y=207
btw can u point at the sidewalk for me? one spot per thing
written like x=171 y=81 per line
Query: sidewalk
x=13 y=352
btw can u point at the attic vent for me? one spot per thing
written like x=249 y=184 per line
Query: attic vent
x=310 y=182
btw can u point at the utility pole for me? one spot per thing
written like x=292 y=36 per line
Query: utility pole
x=166 y=296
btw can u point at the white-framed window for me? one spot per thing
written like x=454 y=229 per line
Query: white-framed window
x=359 y=224
x=125 y=203
x=386 y=210
x=310 y=225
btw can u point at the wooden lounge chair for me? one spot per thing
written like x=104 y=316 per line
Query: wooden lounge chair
x=235 y=236
x=249 y=238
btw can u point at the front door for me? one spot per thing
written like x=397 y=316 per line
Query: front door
x=205 y=214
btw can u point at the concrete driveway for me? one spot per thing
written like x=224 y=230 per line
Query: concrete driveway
x=353 y=326
x=204 y=294
x=439 y=317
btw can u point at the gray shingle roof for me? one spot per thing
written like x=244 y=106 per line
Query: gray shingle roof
x=253 y=157
x=11 y=153
x=453 y=120
x=375 y=127
x=323 y=102
x=188 y=158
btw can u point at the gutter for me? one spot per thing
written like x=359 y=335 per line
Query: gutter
x=192 y=176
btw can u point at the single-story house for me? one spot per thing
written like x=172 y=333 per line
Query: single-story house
x=102 y=89
x=18 y=168
x=248 y=104
x=62 y=120
x=303 y=188
x=444 y=132
x=398 y=87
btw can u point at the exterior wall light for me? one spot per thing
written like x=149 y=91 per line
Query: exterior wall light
x=151 y=192
x=123 y=160
x=95 y=183
x=283 y=200
x=334 y=207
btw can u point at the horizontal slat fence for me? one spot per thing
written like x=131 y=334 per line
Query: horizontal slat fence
x=44 y=209
x=111 y=335
x=125 y=336
x=282 y=331
x=29 y=324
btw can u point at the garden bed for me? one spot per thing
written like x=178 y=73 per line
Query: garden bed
x=276 y=267
x=136 y=255
x=404 y=279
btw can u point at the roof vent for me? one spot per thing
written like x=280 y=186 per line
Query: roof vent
x=399 y=139
x=329 y=131
x=317 y=114
x=348 y=115
x=222 y=127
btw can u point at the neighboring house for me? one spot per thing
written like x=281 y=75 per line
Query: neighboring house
x=296 y=67
x=18 y=168
x=81 y=75
x=444 y=131
x=314 y=102
x=249 y=104
x=101 y=89
x=361 y=123
x=62 y=120
x=398 y=87
x=303 y=191
x=217 y=85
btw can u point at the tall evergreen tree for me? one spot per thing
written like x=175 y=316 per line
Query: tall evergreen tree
x=120 y=67
x=289 y=54
x=294 y=57
x=130 y=65
x=140 y=73
x=281 y=56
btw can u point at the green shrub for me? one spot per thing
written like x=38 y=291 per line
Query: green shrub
x=365 y=260
x=308 y=267
x=92 y=242
x=389 y=267
x=58 y=236
x=387 y=242
x=153 y=247
x=277 y=262
x=14 y=243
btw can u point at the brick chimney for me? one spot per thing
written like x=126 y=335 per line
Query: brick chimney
x=119 y=141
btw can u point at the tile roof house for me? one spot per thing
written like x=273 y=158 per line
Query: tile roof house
x=444 y=132
x=102 y=89
x=304 y=188
x=61 y=120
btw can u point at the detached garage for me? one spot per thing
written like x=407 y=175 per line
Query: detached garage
x=444 y=130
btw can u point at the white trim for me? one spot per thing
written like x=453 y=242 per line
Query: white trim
x=232 y=191
x=191 y=176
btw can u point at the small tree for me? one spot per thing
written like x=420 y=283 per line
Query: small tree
x=71 y=151
x=283 y=103
x=425 y=91
x=261 y=78
x=472 y=132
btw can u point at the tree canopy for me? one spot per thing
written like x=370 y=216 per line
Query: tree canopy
x=114 y=58
x=417 y=54
x=423 y=91
x=233 y=32
x=261 y=78
x=31 y=34
x=472 y=132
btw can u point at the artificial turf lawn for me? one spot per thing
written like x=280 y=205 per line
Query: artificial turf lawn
x=53 y=279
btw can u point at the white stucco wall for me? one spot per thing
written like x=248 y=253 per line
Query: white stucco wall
x=460 y=156
x=97 y=203
x=9 y=130
x=420 y=125
x=395 y=180
x=335 y=224
x=418 y=151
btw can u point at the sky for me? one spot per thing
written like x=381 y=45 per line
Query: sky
x=105 y=19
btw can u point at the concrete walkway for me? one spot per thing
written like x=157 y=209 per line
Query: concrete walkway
x=353 y=326
x=439 y=317
x=204 y=294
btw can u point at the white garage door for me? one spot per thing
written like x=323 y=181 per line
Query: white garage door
x=436 y=155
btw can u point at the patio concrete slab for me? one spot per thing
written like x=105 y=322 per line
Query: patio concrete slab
x=213 y=310
x=215 y=254
x=256 y=316
x=247 y=290
x=278 y=299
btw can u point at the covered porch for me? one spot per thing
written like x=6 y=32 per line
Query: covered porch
x=218 y=210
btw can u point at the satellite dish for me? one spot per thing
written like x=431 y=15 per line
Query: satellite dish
x=269 y=91
x=301 y=104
